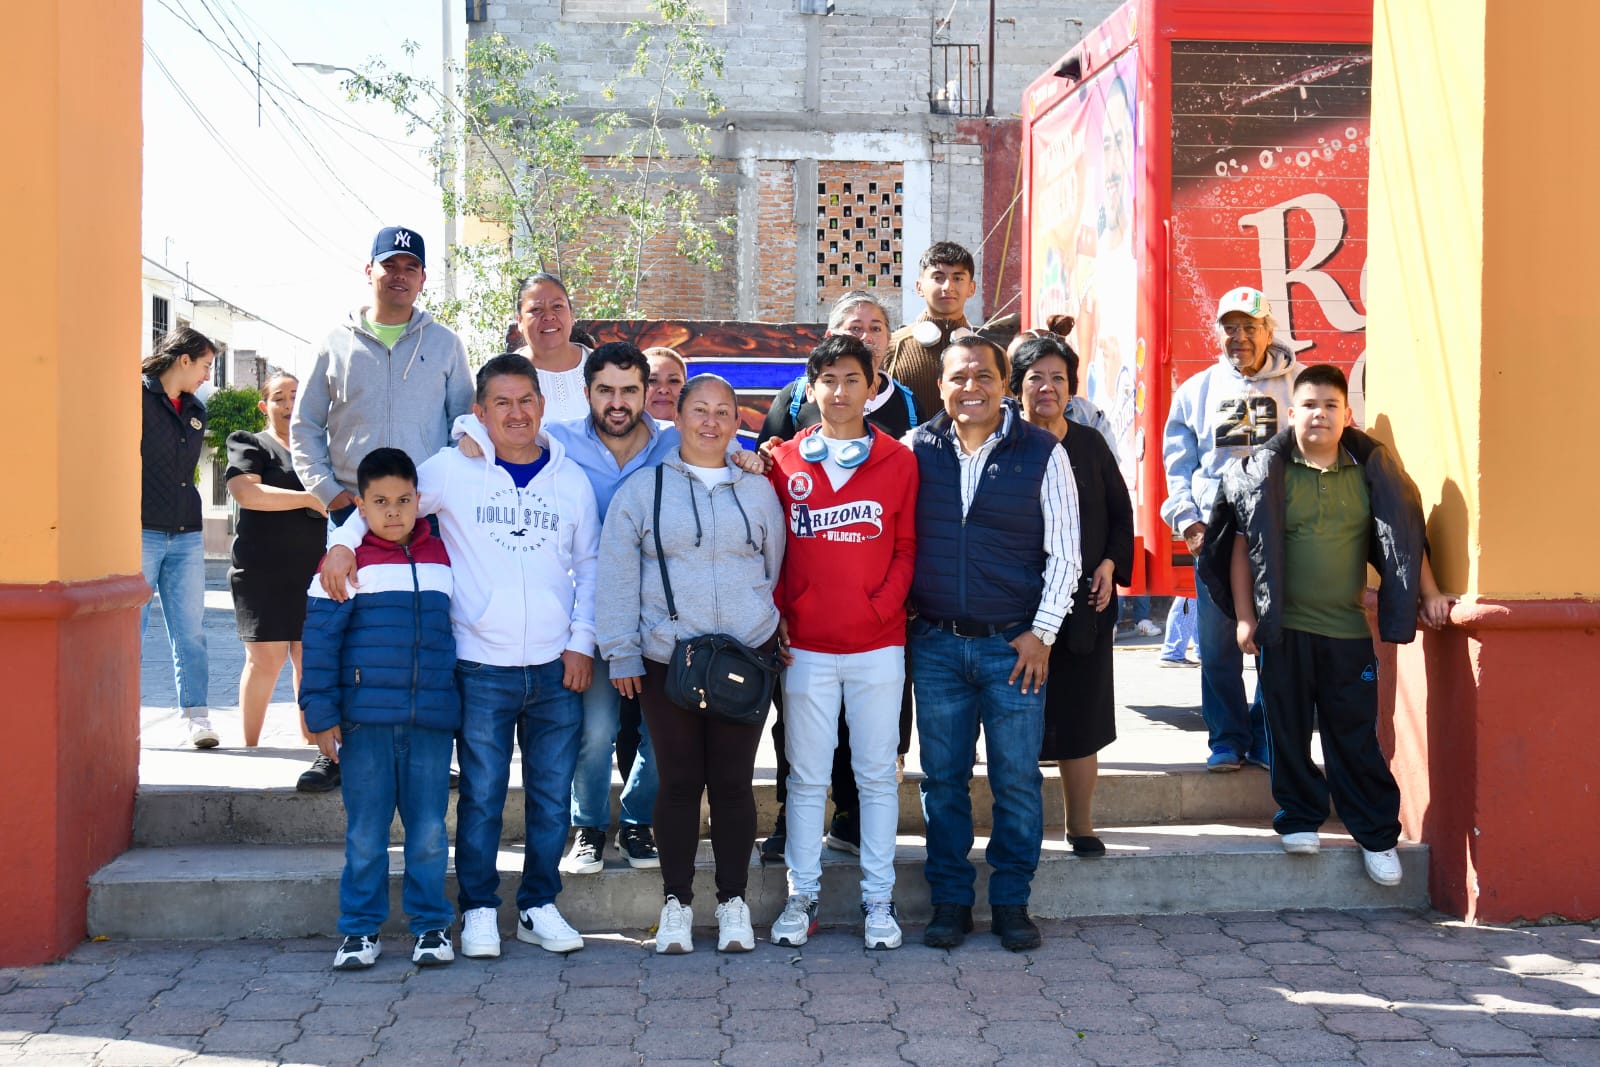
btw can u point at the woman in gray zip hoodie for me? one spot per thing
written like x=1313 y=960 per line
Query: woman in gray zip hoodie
x=723 y=534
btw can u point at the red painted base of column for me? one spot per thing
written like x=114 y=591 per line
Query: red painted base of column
x=1495 y=735
x=69 y=661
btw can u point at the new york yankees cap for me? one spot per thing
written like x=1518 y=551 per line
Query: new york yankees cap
x=394 y=240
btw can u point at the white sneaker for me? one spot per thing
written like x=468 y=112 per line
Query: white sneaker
x=357 y=953
x=1382 y=867
x=1305 y=843
x=734 y=932
x=480 y=933
x=1147 y=628
x=544 y=926
x=881 y=928
x=797 y=922
x=201 y=735
x=673 y=936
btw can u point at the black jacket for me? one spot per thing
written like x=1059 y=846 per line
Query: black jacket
x=169 y=450
x=1251 y=501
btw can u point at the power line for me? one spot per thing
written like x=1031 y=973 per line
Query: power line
x=225 y=300
x=249 y=172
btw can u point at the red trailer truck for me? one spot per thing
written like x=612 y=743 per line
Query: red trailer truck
x=1180 y=149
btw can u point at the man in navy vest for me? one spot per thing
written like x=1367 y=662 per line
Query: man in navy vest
x=997 y=560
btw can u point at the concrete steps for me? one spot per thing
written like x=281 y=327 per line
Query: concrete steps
x=231 y=891
x=213 y=861
x=175 y=815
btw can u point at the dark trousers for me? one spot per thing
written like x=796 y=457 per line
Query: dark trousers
x=846 y=797
x=629 y=718
x=1330 y=684
x=697 y=755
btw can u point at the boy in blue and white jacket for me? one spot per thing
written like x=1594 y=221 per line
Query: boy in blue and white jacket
x=1217 y=416
x=380 y=698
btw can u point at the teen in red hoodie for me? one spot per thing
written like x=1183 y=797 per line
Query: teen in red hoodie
x=849 y=495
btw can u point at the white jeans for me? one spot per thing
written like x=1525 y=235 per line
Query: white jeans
x=868 y=684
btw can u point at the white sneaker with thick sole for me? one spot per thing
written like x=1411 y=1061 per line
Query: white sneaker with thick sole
x=1147 y=628
x=1305 y=843
x=1382 y=867
x=480 y=933
x=201 y=735
x=544 y=926
x=433 y=949
x=357 y=953
x=734 y=932
x=797 y=922
x=673 y=931
x=881 y=927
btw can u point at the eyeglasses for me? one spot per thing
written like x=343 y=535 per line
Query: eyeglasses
x=1242 y=329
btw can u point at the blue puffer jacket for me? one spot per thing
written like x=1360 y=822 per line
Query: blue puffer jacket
x=386 y=655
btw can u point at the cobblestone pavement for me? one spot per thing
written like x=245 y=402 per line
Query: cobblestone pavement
x=1376 y=988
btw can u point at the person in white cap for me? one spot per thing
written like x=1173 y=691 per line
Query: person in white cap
x=1219 y=415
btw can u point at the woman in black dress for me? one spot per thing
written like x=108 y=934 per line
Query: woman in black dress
x=282 y=531
x=1080 y=708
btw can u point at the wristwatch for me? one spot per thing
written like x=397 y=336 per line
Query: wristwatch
x=1046 y=638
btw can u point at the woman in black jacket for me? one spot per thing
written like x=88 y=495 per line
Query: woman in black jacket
x=1080 y=707
x=172 y=551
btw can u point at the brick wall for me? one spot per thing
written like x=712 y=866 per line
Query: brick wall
x=775 y=240
x=673 y=287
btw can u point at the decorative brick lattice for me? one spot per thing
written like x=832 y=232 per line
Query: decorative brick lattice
x=858 y=228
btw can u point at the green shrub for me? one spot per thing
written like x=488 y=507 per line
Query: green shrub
x=228 y=410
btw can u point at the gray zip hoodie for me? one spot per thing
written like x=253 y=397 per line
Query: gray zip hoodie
x=724 y=548
x=359 y=396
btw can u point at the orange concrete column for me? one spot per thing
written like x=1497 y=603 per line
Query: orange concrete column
x=1480 y=327
x=70 y=588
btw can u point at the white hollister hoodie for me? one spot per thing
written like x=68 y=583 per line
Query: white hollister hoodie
x=524 y=560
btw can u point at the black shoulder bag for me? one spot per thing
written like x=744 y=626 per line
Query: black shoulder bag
x=716 y=675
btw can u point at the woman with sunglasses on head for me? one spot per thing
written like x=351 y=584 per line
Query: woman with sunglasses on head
x=1080 y=708
x=891 y=408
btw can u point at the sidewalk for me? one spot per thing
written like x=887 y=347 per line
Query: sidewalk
x=1378 y=988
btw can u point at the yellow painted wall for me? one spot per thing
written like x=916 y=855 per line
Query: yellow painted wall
x=1541 y=312
x=1425 y=264
x=69 y=207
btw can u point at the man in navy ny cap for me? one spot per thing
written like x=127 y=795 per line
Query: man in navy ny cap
x=388 y=376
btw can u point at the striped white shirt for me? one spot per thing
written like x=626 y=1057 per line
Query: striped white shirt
x=1058 y=500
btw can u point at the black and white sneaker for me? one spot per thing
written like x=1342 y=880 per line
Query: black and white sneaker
x=638 y=846
x=844 y=833
x=433 y=949
x=588 y=846
x=321 y=777
x=357 y=953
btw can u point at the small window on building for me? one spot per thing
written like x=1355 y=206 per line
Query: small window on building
x=160 y=318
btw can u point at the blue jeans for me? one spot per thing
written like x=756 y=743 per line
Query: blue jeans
x=961 y=683
x=1233 y=725
x=591 y=782
x=497 y=704
x=383 y=768
x=1180 y=629
x=175 y=567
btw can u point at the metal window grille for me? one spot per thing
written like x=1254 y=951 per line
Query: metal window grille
x=956 y=80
